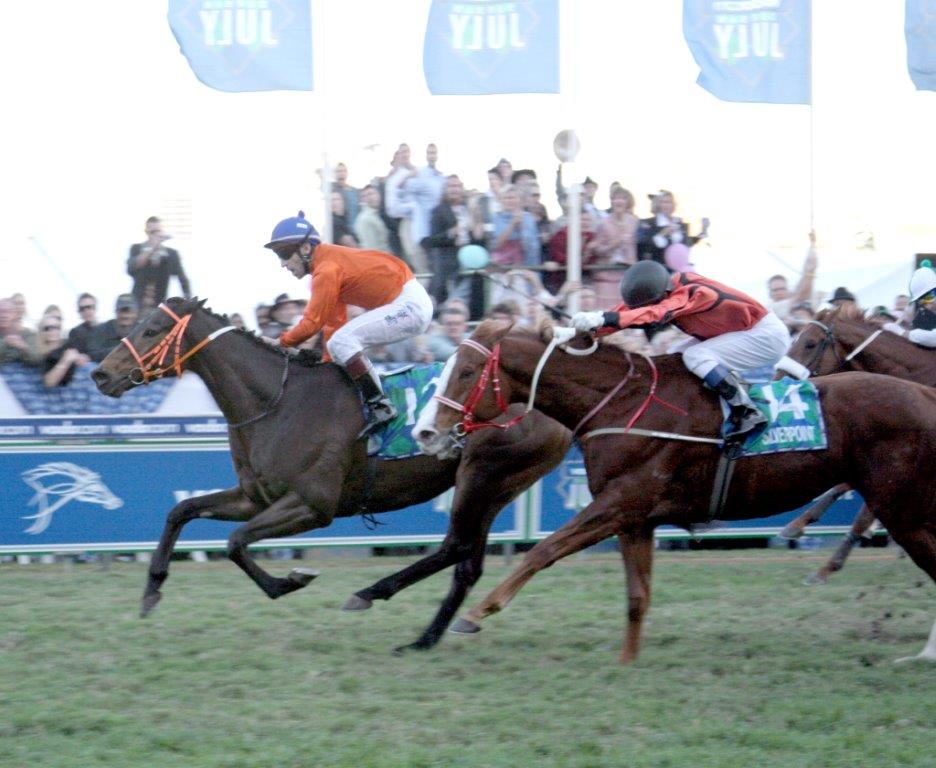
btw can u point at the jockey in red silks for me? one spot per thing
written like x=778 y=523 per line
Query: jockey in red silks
x=396 y=305
x=731 y=331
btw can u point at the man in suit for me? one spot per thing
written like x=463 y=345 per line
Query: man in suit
x=151 y=264
x=450 y=228
x=656 y=233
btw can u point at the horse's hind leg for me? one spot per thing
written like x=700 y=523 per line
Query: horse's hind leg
x=637 y=553
x=796 y=528
x=231 y=504
x=286 y=516
x=860 y=526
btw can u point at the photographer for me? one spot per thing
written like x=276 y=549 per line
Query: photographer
x=151 y=264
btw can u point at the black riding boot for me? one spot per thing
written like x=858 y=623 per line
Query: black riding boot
x=745 y=416
x=380 y=409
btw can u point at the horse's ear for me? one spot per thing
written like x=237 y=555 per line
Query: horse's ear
x=545 y=328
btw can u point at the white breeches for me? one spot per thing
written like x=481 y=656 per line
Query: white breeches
x=409 y=314
x=764 y=344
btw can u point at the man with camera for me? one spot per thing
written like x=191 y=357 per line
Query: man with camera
x=151 y=264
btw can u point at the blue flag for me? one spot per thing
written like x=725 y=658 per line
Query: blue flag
x=481 y=47
x=920 y=28
x=261 y=45
x=751 y=50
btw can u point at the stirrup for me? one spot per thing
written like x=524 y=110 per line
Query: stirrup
x=752 y=422
x=379 y=414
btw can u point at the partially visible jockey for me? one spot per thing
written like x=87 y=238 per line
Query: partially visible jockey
x=732 y=331
x=396 y=305
x=923 y=299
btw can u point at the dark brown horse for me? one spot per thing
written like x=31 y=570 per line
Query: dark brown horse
x=881 y=441
x=840 y=339
x=292 y=432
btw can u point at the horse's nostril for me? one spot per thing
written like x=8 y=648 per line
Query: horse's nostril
x=99 y=376
x=425 y=435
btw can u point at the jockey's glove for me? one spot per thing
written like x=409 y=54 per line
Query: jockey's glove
x=586 y=322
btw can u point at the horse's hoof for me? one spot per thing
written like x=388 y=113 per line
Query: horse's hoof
x=815 y=579
x=791 y=532
x=302 y=576
x=464 y=627
x=356 y=603
x=924 y=656
x=417 y=646
x=149 y=601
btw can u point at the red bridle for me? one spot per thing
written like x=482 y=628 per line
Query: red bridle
x=150 y=364
x=491 y=372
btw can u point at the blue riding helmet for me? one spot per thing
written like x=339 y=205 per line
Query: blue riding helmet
x=293 y=231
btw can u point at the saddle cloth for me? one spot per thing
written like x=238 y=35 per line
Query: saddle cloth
x=410 y=389
x=794 y=418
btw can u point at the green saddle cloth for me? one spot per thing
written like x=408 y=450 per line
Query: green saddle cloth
x=410 y=390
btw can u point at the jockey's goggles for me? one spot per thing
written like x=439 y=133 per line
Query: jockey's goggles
x=927 y=298
x=286 y=250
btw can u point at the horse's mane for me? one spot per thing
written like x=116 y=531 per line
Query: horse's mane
x=846 y=312
x=306 y=357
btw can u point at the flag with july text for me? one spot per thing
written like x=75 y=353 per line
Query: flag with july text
x=751 y=50
x=920 y=28
x=482 y=47
x=246 y=46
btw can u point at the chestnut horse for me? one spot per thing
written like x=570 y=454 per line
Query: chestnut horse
x=657 y=473
x=293 y=436
x=840 y=339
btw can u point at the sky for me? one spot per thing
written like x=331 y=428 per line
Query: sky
x=106 y=125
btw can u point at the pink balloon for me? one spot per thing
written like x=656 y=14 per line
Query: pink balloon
x=676 y=257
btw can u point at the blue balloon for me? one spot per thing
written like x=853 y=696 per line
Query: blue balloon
x=473 y=257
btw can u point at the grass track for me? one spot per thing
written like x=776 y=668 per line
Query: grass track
x=741 y=667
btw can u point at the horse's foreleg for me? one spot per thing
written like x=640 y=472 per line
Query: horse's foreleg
x=230 y=504
x=860 y=526
x=795 y=528
x=466 y=575
x=921 y=546
x=598 y=521
x=448 y=554
x=637 y=553
x=285 y=517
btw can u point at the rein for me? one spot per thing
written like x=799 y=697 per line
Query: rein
x=651 y=397
x=828 y=340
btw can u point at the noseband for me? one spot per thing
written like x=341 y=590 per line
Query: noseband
x=828 y=340
x=150 y=365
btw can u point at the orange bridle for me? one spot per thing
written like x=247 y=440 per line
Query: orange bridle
x=150 y=364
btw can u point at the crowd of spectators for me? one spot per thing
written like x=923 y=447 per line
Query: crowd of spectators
x=425 y=217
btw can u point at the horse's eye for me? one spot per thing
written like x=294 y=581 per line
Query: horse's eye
x=810 y=345
x=150 y=332
x=465 y=374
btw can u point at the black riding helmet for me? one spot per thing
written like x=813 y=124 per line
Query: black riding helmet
x=646 y=282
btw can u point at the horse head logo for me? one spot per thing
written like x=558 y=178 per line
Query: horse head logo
x=68 y=482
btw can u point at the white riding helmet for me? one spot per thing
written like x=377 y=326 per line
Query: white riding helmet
x=922 y=282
